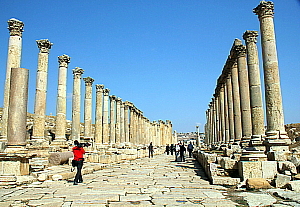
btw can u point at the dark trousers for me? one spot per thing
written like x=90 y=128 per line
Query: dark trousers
x=182 y=159
x=190 y=152
x=150 y=153
x=78 y=176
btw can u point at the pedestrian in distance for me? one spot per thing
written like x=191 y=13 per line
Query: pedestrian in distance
x=150 y=148
x=177 y=149
x=167 y=149
x=190 y=149
x=182 y=152
x=77 y=161
x=172 y=149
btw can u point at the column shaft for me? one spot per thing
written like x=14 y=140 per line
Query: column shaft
x=88 y=108
x=99 y=114
x=61 y=106
x=76 y=99
x=13 y=61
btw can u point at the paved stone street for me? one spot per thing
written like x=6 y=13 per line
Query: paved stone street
x=157 y=181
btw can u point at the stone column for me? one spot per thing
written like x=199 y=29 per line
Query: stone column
x=76 y=129
x=122 y=123
x=17 y=113
x=105 y=116
x=41 y=90
x=88 y=135
x=15 y=28
x=230 y=108
x=240 y=55
x=222 y=113
x=236 y=102
x=226 y=115
x=61 y=105
x=273 y=98
x=112 y=138
x=126 y=121
x=118 y=120
x=99 y=114
x=257 y=113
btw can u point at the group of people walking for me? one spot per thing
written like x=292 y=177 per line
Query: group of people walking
x=179 y=149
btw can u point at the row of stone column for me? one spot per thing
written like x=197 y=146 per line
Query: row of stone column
x=115 y=121
x=236 y=113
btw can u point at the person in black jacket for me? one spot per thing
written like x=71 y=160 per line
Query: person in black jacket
x=150 y=148
x=182 y=152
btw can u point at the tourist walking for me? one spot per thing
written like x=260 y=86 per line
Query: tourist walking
x=172 y=149
x=190 y=149
x=167 y=149
x=182 y=152
x=150 y=148
x=78 y=159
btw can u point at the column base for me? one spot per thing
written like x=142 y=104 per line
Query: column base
x=16 y=149
x=60 y=143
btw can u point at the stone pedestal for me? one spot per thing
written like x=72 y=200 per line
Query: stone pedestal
x=14 y=164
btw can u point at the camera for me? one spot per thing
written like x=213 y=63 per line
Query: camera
x=84 y=144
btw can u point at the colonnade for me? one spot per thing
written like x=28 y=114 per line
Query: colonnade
x=236 y=114
x=116 y=122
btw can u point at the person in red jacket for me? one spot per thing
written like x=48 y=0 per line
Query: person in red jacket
x=78 y=153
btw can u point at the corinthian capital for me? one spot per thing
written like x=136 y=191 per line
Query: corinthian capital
x=99 y=88
x=250 y=36
x=239 y=51
x=106 y=92
x=88 y=81
x=77 y=72
x=63 y=60
x=15 y=27
x=264 y=9
x=44 y=45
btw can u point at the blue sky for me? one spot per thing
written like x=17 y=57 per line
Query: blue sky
x=164 y=56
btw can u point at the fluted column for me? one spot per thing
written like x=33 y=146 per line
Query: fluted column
x=76 y=129
x=15 y=28
x=41 y=90
x=257 y=113
x=222 y=113
x=240 y=55
x=17 y=113
x=105 y=116
x=230 y=108
x=273 y=98
x=112 y=138
x=126 y=122
x=122 y=122
x=118 y=120
x=226 y=114
x=61 y=105
x=99 y=114
x=236 y=103
x=88 y=135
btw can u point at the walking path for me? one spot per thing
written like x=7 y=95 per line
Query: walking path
x=158 y=181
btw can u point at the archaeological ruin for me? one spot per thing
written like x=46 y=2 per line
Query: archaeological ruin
x=237 y=146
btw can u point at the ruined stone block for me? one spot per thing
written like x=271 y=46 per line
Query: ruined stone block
x=269 y=169
x=250 y=169
x=257 y=183
x=228 y=163
x=282 y=180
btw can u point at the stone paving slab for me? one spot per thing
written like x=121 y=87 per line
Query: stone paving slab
x=158 y=181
